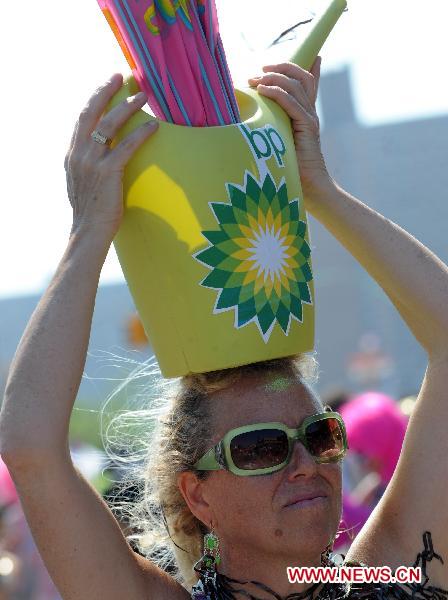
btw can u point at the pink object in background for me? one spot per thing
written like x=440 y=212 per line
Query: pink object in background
x=176 y=55
x=375 y=428
x=8 y=493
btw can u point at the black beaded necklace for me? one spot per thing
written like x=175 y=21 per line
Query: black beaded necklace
x=221 y=587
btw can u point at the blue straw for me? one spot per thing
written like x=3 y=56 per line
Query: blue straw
x=228 y=78
x=179 y=100
x=211 y=43
x=158 y=81
x=210 y=91
x=225 y=91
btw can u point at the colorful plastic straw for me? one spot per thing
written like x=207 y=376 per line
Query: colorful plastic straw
x=176 y=54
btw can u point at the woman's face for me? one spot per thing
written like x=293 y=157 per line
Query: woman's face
x=258 y=512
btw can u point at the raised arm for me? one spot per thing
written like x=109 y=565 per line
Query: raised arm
x=400 y=264
x=416 y=281
x=76 y=534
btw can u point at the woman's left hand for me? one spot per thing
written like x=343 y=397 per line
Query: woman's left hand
x=295 y=90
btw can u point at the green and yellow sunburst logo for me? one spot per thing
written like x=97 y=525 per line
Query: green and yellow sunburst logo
x=259 y=258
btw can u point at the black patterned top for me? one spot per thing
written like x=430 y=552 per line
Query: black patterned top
x=220 y=587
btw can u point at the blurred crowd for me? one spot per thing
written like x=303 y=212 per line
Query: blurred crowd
x=376 y=425
x=23 y=575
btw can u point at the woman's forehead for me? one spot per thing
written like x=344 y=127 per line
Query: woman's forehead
x=275 y=398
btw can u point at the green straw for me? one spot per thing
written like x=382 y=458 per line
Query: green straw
x=320 y=29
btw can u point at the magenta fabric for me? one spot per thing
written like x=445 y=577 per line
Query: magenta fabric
x=376 y=428
x=179 y=58
x=353 y=518
x=8 y=493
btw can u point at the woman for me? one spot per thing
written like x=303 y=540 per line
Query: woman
x=288 y=516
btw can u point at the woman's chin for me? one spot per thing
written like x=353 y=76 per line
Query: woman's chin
x=317 y=526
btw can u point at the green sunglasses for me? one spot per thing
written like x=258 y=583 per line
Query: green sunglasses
x=264 y=448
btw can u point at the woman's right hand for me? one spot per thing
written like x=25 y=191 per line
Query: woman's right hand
x=94 y=170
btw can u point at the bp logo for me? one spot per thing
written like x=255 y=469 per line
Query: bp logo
x=258 y=258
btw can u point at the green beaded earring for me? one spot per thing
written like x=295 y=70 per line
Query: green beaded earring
x=211 y=557
x=206 y=566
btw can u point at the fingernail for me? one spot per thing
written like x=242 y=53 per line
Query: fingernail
x=137 y=98
x=257 y=78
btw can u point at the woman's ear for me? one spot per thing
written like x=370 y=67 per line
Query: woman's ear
x=194 y=493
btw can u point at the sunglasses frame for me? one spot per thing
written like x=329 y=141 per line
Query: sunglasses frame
x=219 y=456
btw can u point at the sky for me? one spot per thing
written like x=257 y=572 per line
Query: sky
x=395 y=52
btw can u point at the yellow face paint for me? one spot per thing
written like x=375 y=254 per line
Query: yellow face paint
x=279 y=384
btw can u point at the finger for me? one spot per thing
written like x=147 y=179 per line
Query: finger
x=288 y=102
x=315 y=71
x=96 y=106
x=121 y=154
x=295 y=72
x=111 y=123
x=70 y=148
x=291 y=86
x=72 y=141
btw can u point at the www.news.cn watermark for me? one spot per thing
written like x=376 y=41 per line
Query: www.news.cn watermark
x=356 y=574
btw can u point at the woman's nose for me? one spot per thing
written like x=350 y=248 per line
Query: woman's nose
x=302 y=463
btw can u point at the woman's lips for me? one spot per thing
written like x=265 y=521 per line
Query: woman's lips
x=308 y=502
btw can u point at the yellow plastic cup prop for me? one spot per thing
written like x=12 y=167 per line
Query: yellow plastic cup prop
x=214 y=241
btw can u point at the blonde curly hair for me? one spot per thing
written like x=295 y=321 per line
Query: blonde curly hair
x=162 y=526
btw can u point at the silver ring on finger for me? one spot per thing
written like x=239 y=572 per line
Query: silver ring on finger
x=100 y=138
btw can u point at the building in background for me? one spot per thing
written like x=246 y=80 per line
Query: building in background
x=114 y=311
x=398 y=169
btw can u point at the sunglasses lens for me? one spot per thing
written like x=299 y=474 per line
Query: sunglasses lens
x=325 y=439
x=259 y=449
